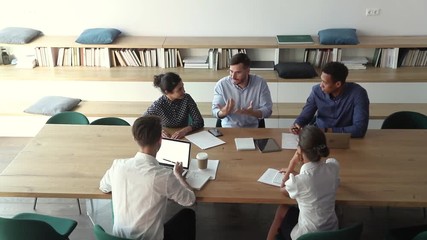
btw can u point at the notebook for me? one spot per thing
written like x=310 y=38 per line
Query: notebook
x=244 y=144
x=172 y=151
x=197 y=180
x=272 y=177
x=338 y=140
x=266 y=145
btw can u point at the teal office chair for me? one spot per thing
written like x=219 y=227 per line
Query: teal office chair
x=100 y=234
x=405 y=120
x=18 y=228
x=68 y=118
x=110 y=121
x=349 y=233
x=408 y=233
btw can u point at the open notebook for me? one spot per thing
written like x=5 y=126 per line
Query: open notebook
x=272 y=177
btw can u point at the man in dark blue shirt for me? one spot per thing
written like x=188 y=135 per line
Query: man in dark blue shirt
x=339 y=106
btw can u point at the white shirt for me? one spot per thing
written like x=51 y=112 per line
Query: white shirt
x=315 y=189
x=140 y=190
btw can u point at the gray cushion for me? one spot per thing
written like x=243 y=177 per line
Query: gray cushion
x=98 y=36
x=52 y=105
x=295 y=70
x=18 y=35
x=338 y=36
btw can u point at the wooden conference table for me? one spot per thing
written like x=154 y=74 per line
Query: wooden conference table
x=386 y=168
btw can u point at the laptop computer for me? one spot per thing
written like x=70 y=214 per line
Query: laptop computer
x=172 y=151
x=338 y=140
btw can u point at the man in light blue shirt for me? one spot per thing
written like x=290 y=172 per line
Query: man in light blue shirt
x=340 y=107
x=241 y=99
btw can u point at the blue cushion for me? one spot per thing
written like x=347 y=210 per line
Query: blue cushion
x=52 y=105
x=98 y=36
x=338 y=36
x=18 y=35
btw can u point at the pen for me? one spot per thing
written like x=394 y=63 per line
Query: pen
x=167 y=160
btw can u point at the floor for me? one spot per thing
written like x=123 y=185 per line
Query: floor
x=214 y=220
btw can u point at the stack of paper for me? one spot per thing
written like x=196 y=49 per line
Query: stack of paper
x=197 y=178
x=204 y=140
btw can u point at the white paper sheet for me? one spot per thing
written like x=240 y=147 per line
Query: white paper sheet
x=204 y=140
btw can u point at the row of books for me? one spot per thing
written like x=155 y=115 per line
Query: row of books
x=131 y=57
x=385 y=57
x=412 y=57
x=90 y=57
x=216 y=58
x=319 y=57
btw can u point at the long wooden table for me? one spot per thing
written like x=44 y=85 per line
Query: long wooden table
x=386 y=168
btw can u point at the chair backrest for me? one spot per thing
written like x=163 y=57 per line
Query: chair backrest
x=110 y=121
x=63 y=226
x=261 y=123
x=23 y=229
x=421 y=236
x=405 y=120
x=68 y=118
x=100 y=234
x=349 y=233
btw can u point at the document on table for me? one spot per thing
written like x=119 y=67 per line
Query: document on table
x=210 y=170
x=197 y=178
x=289 y=141
x=204 y=140
x=271 y=177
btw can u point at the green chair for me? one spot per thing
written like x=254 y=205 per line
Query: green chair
x=110 y=121
x=100 y=234
x=63 y=226
x=405 y=120
x=349 y=233
x=408 y=233
x=68 y=118
x=35 y=228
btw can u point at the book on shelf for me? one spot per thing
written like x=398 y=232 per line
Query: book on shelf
x=262 y=65
x=196 y=59
x=196 y=65
x=294 y=39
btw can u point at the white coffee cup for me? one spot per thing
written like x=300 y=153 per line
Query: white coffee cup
x=202 y=160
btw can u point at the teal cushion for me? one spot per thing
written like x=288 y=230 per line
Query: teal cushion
x=18 y=35
x=52 y=105
x=98 y=36
x=338 y=36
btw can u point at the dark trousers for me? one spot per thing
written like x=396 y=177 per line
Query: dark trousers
x=288 y=223
x=182 y=226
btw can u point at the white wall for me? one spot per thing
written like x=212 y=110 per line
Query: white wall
x=216 y=17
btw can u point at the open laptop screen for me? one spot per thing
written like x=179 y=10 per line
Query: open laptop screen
x=173 y=151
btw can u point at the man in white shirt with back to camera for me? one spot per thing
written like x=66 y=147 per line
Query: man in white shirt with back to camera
x=141 y=188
